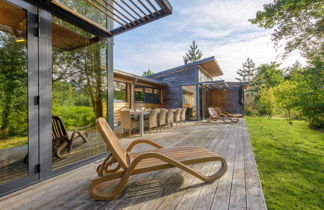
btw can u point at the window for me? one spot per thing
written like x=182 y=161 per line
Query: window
x=203 y=77
x=139 y=94
x=120 y=91
x=147 y=95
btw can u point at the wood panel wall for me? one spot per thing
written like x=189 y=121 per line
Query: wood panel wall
x=130 y=103
x=229 y=99
x=175 y=81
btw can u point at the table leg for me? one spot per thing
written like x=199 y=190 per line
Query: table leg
x=142 y=124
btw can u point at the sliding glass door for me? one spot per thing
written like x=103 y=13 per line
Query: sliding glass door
x=19 y=163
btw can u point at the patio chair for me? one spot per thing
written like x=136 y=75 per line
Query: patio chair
x=221 y=114
x=177 y=116
x=170 y=117
x=62 y=138
x=162 y=118
x=183 y=115
x=213 y=116
x=127 y=122
x=151 y=122
x=222 y=110
x=126 y=163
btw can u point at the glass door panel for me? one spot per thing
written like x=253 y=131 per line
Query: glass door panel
x=79 y=94
x=189 y=97
x=15 y=118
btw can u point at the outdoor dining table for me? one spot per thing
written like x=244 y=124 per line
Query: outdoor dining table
x=141 y=114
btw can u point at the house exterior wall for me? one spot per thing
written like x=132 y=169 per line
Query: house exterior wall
x=175 y=80
x=230 y=99
x=130 y=102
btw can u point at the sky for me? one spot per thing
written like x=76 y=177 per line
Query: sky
x=219 y=27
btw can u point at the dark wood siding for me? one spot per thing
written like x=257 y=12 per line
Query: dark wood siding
x=230 y=99
x=175 y=80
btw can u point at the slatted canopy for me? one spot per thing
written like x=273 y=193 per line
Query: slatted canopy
x=215 y=85
x=125 y=14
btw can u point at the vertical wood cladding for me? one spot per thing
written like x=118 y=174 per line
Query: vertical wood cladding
x=175 y=80
x=230 y=99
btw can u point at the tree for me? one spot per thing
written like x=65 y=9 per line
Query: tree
x=268 y=102
x=268 y=75
x=298 y=22
x=247 y=72
x=193 y=54
x=286 y=98
x=310 y=93
x=13 y=85
x=83 y=69
x=147 y=73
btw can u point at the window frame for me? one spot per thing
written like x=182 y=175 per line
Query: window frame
x=153 y=100
x=126 y=91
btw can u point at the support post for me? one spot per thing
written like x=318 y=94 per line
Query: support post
x=110 y=74
x=110 y=83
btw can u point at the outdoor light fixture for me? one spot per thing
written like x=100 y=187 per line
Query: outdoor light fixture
x=20 y=39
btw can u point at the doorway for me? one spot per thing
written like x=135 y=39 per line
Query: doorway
x=19 y=132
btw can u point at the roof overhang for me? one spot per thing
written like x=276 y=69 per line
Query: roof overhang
x=125 y=15
x=139 y=78
x=209 y=65
x=212 y=68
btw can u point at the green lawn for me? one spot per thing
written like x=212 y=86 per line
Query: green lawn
x=13 y=142
x=290 y=160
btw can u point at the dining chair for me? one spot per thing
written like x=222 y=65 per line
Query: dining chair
x=151 y=122
x=183 y=115
x=177 y=117
x=162 y=118
x=169 y=119
x=127 y=122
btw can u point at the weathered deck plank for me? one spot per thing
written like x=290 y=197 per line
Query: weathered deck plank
x=206 y=196
x=254 y=195
x=239 y=188
x=222 y=195
x=238 y=197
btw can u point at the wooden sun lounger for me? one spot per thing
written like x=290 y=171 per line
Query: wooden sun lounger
x=126 y=163
x=62 y=138
x=214 y=116
x=222 y=111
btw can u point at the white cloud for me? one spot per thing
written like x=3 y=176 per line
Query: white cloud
x=221 y=29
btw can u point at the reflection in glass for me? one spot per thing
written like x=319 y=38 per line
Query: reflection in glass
x=79 y=95
x=189 y=101
x=13 y=93
x=120 y=92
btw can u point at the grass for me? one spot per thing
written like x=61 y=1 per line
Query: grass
x=13 y=142
x=290 y=160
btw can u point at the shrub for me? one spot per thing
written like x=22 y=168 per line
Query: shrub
x=75 y=116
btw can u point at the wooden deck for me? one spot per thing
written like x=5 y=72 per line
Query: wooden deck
x=239 y=188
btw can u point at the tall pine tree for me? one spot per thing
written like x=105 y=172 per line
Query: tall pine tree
x=193 y=54
x=246 y=73
x=147 y=73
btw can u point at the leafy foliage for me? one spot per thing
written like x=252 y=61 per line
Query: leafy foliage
x=298 y=22
x=13 y=86
x=268 y=101
x=285 y=98
x=193 y=54
x=75 y=116
x=310 y=92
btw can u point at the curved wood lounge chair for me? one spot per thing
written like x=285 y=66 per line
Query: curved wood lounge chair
x=214 y=116
x=222 y=111
x=219 y=113
x=62 y=138
x=127 y=163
